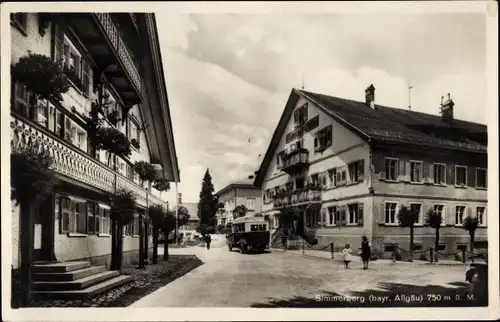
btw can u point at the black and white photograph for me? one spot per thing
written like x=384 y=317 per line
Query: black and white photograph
x=250 y=156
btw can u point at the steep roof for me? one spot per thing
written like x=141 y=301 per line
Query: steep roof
x=385 y=124
x=192 y=208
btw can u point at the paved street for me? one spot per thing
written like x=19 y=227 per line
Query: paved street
x=230 y=279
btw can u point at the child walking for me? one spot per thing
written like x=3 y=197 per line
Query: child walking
x=347 y=255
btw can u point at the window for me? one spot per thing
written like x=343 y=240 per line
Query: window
x=300 y=115
x=332 y=174
x=390 y=212
x=416 y=171
x=254 y=227
x=481 y=178
x=251 y=203
x=75 y=134
x=440 y=210
x=21 y=98
x=417 y=207
x=355 y=213
x=65 y=213
x=79 y=221
x=460 y=176
x=135 y=227
x=439 y=173
x=314 y=180
x=391 y=172
x=481 y=215
x=356 y=171
x=91 y=216
x=102 y=221
x=20 y=20
x=332 y=216
x=133 y=132
x=323 y=139
x=459 y=215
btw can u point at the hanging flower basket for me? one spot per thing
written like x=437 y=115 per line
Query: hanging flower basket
x=135 y=143
x=114 y=117
x=31 y=175
x=42 y=76
x=145 y=171
x=123 y=207
x=112 y=140
x=161 y=184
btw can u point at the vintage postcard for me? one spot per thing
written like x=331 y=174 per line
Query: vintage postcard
x=233 y=161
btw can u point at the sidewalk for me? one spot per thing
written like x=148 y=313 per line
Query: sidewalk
x=338 y=257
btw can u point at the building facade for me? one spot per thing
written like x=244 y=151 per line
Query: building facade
x=115 y=57
x=239 y=193
x=342 y=169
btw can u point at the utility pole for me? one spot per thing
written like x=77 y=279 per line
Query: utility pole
x=409 y=97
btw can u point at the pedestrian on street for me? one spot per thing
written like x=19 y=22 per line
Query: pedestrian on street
x=208 y=239
x=347 y=251
x=365 y=252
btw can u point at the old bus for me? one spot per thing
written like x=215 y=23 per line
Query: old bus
x=249 y=234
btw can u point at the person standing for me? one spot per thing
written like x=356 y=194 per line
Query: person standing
x=208 y=240
x=347 y=251
x=365 y=252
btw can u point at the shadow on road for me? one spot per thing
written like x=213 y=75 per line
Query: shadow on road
x=395 y=295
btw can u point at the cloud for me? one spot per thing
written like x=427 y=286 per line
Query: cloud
x=229 y=76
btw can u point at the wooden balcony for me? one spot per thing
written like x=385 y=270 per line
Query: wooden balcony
x=71 y=162
x=297 y=198
x=295 y=161
x=103 y=40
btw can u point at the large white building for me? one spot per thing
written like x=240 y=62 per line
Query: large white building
x=344 y=168
x=121 y=53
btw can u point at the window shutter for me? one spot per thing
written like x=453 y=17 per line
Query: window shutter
x=431 y=173
x=471 y=177
x=401 y=170
x=324 y=213
x=381 y=214
x=425 y=171
x=361 y=170
x=407 y=171
x=343 y=216
x=450 y=175
x=360 y=214
x=58 y=50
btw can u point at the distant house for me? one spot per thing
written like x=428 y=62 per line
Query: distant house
x=342 y=169
x=192 y=208
x=241 y=192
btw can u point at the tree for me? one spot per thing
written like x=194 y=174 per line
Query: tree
x=207 y=207
x=434 y=219
x=168 y=225
x=470 y=224
x=123 y=208
x=239 y=211
x=408 y=218
x=32 y=181
x=182 y=218
x=156 y=214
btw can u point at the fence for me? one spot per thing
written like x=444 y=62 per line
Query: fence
x=433 y=258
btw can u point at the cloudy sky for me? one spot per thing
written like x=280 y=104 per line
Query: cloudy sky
x=229 y=75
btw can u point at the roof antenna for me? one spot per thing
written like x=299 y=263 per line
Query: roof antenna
x=409 y=97
x=302 y=80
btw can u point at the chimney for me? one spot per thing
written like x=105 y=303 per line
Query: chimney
x=179 y=198
x=447 y=109
x=370 y=96
x=250 y=177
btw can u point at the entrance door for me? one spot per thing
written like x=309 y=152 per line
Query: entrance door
x=43 y=231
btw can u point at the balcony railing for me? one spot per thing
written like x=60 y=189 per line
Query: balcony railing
x=295 y=160
x=298 y=198
x=123 y=51
x=73 y=163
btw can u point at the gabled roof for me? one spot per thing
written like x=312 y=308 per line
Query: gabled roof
x=243 y=183
x=384 y=124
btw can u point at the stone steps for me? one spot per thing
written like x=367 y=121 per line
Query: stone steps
x=86 y=293
x=74 y=280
